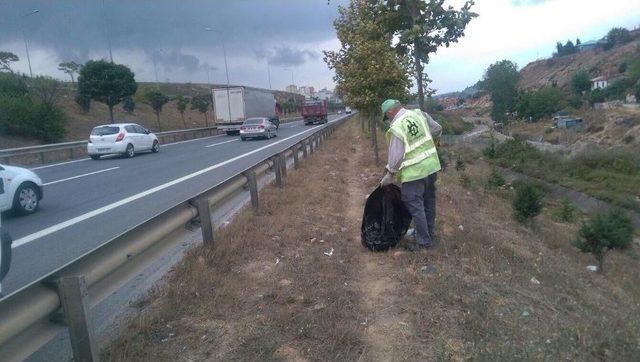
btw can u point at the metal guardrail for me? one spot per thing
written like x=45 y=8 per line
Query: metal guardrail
x=33 y=315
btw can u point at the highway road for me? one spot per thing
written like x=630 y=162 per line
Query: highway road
x=87 y=202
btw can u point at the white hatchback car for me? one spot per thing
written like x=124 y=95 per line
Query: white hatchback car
x=121 y=138
x=20 y=190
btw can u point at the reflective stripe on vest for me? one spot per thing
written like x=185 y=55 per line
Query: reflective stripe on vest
x=419 y=157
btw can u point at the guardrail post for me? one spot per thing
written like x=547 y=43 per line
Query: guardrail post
x=204 y=213
x=283 y=163
x=311 y=145
x=278 y=169
x=253 y=187
x=75 y=304
x=296 y=160
x=71 y=153
x=304 y=148
x=43 y=158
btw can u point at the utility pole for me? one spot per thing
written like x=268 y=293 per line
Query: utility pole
x=24 y=37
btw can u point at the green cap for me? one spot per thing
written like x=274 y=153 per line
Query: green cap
x=388 y=104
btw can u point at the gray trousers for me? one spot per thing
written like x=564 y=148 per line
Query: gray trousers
x=420 y=198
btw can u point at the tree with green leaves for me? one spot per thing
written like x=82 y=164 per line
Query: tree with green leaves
x=617 y=36
x=603 y=232
x=501 y=81
x=181 y=103
x=106 y=82
x=6 y=58
x=422 y=27
x=580 y=82
x=129 y=105
x=156 y=100
x=200 y=102
x=70 y=68
x=367 y=69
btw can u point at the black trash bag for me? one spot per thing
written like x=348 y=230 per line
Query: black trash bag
x=385 y=220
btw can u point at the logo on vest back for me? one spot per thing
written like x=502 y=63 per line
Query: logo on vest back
x=413 y=129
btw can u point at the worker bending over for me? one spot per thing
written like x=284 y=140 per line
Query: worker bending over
x=413 y=161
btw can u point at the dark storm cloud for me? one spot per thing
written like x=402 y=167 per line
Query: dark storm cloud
x=75 y=28
x=173 y=59
x=285 y=56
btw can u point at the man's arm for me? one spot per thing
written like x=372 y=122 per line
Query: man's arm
x=434 y=127
x=396 y=153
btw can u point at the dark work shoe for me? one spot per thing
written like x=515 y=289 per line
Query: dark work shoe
x=416 y=247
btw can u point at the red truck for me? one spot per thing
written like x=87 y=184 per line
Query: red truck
x=314 y=112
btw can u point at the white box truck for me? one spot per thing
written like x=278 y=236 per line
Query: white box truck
x=234 y=105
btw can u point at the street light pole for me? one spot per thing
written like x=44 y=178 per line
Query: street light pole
x=107 y=28
x=226 y=69
x=24 y=37
x=269 y=74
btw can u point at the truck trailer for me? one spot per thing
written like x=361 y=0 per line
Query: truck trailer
x=234 y=105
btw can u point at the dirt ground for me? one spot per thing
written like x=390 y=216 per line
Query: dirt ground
x=292 y=281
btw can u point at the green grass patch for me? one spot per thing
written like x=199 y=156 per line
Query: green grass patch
x=612 y=176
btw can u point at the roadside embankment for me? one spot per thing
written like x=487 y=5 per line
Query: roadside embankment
x=292 y=282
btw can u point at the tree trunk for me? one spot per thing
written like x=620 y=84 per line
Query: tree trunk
x=374 y=140
x=111 y=113
x=418 y=66
x=158 y=119
x=206 y=121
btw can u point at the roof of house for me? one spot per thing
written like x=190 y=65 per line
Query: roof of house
x=597 y=79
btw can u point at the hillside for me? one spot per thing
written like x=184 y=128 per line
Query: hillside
x=559 y=70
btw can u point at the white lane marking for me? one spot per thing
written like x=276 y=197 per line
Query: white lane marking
x=52 y=229
x=221 y=143
x=83 y=175
x=60 y=164
x=87 y=159
x=191 y=140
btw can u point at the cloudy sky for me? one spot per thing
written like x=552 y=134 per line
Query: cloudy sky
x=289 y=35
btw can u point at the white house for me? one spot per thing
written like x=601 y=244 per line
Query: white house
x=599 y=82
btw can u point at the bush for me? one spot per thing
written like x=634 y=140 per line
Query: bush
x=128 y=105
x=575 y=101
x=566 y=212
x=527 y=203
x=628 y=138
x=605 y=231
x=490 y=150
x=580 y=82
x=495 y=179
x=459 y=164
x=13 y=85
x=618 y=89
x=21 y=116
x=596 y=96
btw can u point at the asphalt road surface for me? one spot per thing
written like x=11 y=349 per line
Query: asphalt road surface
x=87 y=202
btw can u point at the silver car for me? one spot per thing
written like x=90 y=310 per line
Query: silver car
x=259 y=127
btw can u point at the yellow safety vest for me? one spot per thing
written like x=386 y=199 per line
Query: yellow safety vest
x=420 y=156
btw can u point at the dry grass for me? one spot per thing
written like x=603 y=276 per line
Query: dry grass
x=470 y=297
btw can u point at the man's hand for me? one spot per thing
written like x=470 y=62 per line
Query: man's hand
x=388 y=179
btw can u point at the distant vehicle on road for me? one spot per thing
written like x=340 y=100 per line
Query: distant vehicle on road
x=260 y=127
x=20 y=190
x=314 y=111
x=340 y=112
x=121 y=138
x=234 y=105
x=347 y=110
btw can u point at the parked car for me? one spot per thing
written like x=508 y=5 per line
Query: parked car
x=347 y=110
x=260 y=127
x=20 y=190
x=121 y=138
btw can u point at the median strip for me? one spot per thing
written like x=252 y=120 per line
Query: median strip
x=79 y=176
